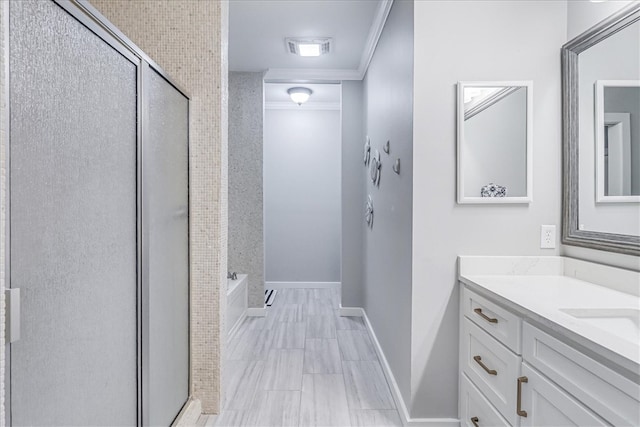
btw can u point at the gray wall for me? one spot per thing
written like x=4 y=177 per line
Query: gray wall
x=516 y=41
x=353 y=193
x=387 y=253
x=302 y=217
x=245 y=181
x=580 y=17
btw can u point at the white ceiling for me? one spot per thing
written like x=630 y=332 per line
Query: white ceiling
x=257 y=29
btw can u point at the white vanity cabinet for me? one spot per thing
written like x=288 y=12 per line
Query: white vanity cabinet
x=491 y=367
x=514 y=373
x=475 y=408
x=609 y=394
x=544 y=404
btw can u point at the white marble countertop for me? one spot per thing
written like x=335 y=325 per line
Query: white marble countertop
x=589 y=313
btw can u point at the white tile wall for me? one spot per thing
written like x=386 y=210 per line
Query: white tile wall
x=246 y=237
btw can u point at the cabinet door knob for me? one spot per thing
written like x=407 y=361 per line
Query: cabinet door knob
x=479 y=312
x=478 y=360
x=519 y=410
x=474 y=421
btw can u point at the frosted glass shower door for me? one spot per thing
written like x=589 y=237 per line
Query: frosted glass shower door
x=165 y=186
x=73 y=227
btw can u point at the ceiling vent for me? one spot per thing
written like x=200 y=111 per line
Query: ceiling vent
x=309 y=47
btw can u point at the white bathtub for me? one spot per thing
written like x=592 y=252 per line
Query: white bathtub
x=237 y=301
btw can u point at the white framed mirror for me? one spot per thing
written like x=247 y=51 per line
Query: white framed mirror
x=617 y=118
x=494 y=142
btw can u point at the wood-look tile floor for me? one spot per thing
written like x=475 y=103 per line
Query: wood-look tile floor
x=303 y=365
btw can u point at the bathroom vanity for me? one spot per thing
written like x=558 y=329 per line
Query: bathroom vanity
x=548 y=341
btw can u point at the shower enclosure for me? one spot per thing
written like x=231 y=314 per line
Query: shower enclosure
x=97 y=224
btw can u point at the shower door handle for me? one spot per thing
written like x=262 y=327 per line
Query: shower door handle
x=12 y=315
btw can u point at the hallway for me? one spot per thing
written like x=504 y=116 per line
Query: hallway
x=304 y=365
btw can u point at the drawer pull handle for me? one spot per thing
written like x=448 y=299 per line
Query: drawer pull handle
x=474 y=421
x=519 y=397
x=478 y=360
x=479 y=312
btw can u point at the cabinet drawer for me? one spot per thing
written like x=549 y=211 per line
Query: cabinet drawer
x=492 y=367
x=609 y=394
x=546 y=405
x=500 y=323
x=475 y=407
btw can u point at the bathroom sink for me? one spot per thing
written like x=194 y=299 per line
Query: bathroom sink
x=623 y=322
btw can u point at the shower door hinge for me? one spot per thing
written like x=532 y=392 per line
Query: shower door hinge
x=12 y=315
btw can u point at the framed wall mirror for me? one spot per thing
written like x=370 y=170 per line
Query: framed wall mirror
x=494 y=121
x=601 y=135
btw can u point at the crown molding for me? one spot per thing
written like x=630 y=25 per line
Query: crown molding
x=274 y=75
x=289 y=105
x=374 y=35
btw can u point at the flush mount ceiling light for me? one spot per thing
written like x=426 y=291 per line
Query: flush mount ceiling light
x=299 y=95
x=308 y=47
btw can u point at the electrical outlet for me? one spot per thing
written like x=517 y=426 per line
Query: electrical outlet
x=547 y=236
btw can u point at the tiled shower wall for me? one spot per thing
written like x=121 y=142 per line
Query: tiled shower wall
x=246 y=239
x=188 y=39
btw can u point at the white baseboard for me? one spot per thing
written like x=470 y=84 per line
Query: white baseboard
x=351 y=311
x=189 y=414
x=256 y=312
x=302 y=285
x=393 y=385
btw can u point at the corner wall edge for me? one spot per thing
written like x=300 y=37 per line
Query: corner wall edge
x=401 y=406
